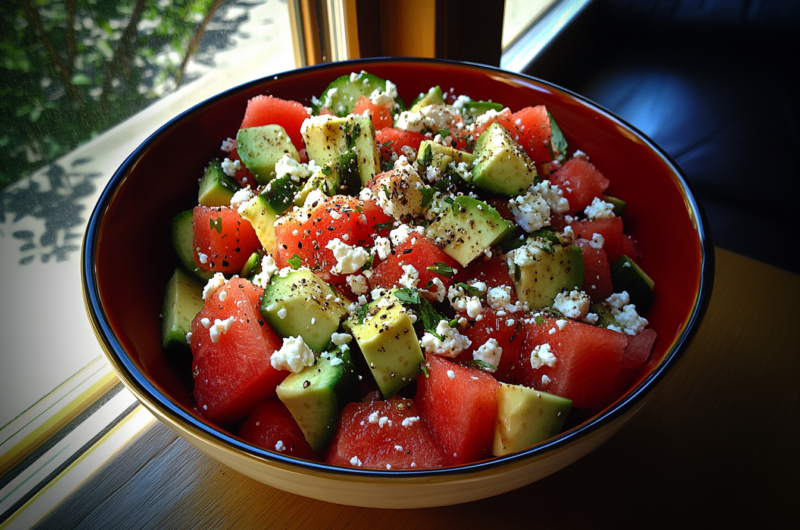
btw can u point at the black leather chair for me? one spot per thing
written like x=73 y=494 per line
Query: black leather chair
x=714 y=84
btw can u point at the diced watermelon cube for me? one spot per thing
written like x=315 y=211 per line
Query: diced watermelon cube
x=271 y=426
x=231 y=364
x=596 y=271
x=461 y=410
x=381 y=116
x=580 y=182
x=224 y=239
x=587 y=360
x=393 y=140
x=384 y=435
x=268 y=110
x=509 y=334
x=419 y=252
x=611 y=230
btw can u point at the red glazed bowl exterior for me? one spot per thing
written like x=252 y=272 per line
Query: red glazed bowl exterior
x=128 y=258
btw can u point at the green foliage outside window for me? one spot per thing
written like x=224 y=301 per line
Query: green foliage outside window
x=70 y=69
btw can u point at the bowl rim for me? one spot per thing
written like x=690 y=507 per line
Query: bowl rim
x=147 y=393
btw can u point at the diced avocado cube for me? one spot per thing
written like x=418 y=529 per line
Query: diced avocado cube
x=260 y=148
x=501 y=165
x=526 y=417
x=216 y=188
x=472 y=109
x=182 y=241
x=316 y=396
x=432 y=154
x=538 y=282
x=327 y=138
x=301 y=303
x=468 y=229
x=433 y=96
x=388 y=342
x=252 y=266
x=626 y=275
x=619 y=204
x=183 y=299
x=604 y=316
x=325 y=179
x=262 y=217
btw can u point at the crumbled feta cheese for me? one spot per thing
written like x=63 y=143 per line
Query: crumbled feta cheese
x=400 y=234
x=545 y=380
x=561 y=323
x=202 y=257
x=282 y=313
x=438 y=290
x=355 y=461
x=341 y=338
x=410 y=277
x=280 y=447
x=289 y=166
x=629 y=320
x=499 y=297
x=336 y=361
x=205 y=322
x=349 y=259
x=228 y=145
x=451 y=374
x=293 y=356
x=219 y=327
x=383 y=421
x=573 y=304
x=531 y=211
x=385 y=97
x=432 y=116
x=189 y=337
x=411 y=420
x=216 y=281
x=591 y=318
x=552 y=195
x=599 y=209
x=597 y=241
x=490 y=353
x=313 y=198
x=451 y=344
x=223 y=295
x=383 y=246
x=618 y=300
x=542 y=355
x=242 y=196
x=230 y=167
x=358 y=284
x=474 y=307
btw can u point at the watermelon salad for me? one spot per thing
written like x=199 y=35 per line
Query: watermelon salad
x=376 y=285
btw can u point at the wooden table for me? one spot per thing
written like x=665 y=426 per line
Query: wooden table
x=718 y=444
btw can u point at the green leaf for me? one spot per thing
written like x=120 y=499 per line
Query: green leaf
x=424 y=370
x=444 y=132
x=294 y=261
x=216 y=224
x=442 y=268
x=482 y=364
x=427 y=195
x=539 y=320
x=361 y=313
x=368 y=264
x=470 y=290
x=557 y=139
x=384 y=226
x=407 y=296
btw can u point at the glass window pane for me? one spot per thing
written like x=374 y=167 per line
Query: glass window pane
x=519 y=15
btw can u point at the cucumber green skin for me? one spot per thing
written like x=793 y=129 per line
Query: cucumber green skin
x=182 y=241
x=183 y=299
x=253 y=265
x=433 y=96
x=605 y=318
x=633 y=279
x=473 y=109
x=348 y=92
x=216 y=188
x=280 y=194
x=328 y=390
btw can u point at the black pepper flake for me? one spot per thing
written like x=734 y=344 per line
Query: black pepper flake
x=408 y=251
x=306 y=383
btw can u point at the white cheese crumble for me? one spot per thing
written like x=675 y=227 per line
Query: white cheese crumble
x=293 y=356
x=242 y=196
x=531 y=211
x=219 y=327
x=383 y=246
x=433 y=116
x=202 y=257
x=499 y=297
x=280 y=447
x=408 y=422
x=490 y=353
x=355 y=461
x=289 y=166
x=228 y=145
x=313 y=198
x=552 y=195
x=341 y=338
x=282 y=313
x=230 y=167
x=451 y=344
x=349 y=259
x=545 y=380
x=410 y=277
x=223 y=295
x=573 y=304
x=597 y=241
x=451 y=374
x=358 y=284
x=385 y=97
x=542 y=355
x=216 y=281
x=474 y=307
x=599 y=209
x=268 y=268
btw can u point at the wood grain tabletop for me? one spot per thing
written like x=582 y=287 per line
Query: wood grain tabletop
x=717 y=445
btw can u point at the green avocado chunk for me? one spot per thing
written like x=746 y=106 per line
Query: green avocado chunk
x=526 y=417
x=546 y=273
x=502 y=165
x=182 y=241
x=328 y=138
x=183 y=299
x=386 y=337
x=260 y=148
x=432 y=154
x=316 y=396
x=468 y=229
x=216 y=188
x=626 y=275
x=433 y=96
x=302 y=304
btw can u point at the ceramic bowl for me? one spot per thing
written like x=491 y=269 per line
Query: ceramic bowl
x=128 y=258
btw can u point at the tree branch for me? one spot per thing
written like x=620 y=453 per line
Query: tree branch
x=194 y=42
x=71 y=36
x=119 y=61
x=36 y=21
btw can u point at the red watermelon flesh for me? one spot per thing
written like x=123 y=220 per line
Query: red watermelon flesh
x=509 y=334
x=271 y=426
x=587 y=361
x=633 y=358
x=493 y=272
x=533 y=130
x=393 y=140
x=223 y=237
x=419 y=252
x=381 y=116
x=268 y=110
x=461 y=410
x=234 y=373
x=596 y=271
x=372 y=435
x=611 y=230
x=580 y=182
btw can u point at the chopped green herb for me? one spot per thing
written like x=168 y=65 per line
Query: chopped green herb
x=384 y=226
x=444 y=132
x=407 y=296
x=368 y=264
x=216 y=224
x=482 y=364
x=425 y=157
x=427 y=195
x=294 y=261
x=449 y=200
x=557 y=139
x=359 y=209
x=424 y=370
x=442 y=268
x=539 y=320
x=470 y=290
x=361 y=313
x=387 y=144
